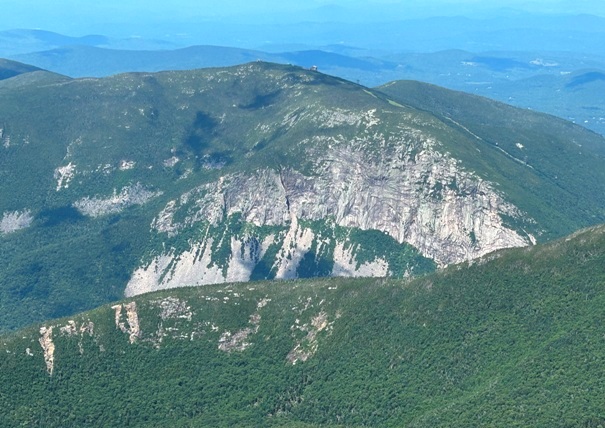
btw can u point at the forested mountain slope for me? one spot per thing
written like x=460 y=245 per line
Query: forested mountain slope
x=512 y=339
x=143 y=181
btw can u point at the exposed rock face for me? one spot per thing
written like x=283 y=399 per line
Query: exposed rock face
x=132 y=318
x=410 y=191
x=230 y=342
x=176 y=321
x=174 y=308
x=46 y=342
x=128 y=196
x=307 y=347
x=16 y=220
x=133 y=321
x=194 y=267
x=71 y=329
x=64 y=174
x=423 y=198
x=345 y=265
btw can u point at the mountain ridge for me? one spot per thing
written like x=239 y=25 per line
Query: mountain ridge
x=260 y=171
x=537 y=80
x=10 y=68
x=504 y=339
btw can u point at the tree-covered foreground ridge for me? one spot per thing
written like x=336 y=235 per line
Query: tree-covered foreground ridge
x=514 y=338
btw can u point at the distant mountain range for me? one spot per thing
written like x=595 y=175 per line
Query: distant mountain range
x=551 y=82
x=22 y=41
x=81 y=61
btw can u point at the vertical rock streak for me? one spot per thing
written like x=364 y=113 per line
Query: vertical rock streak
x=48 y=347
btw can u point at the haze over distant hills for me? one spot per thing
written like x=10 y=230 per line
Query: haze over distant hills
x=10 y=69
x=523 y=53
x=83 y=61
x=21 y=41
x=565 y=84
x=249 y=25
x=496 y=31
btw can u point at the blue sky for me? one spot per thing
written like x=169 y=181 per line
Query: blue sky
x=78 y=17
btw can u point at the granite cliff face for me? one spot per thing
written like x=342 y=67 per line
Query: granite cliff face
x=409 y=190
x=145 y=181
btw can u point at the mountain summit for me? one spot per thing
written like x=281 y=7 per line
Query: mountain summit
x=139 y=182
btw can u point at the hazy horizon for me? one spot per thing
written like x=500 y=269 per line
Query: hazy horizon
x=152 y=18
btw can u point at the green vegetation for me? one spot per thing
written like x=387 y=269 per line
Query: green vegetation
x=66 y=267
x=514 y=339
x=173 y=133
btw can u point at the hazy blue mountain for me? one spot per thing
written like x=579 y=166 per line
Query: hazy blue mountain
x=578 y=96
x=80 y=61
x=476 y=112
x=530 y=79
x=393 y=32
x=10 y=69
x=520 y=32
x=14 y=74
x=20 y=41
x=542 y=81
